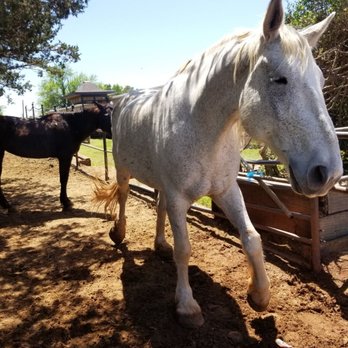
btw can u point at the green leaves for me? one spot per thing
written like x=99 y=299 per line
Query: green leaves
x=332 y=51
x=118 y=89
x=58 y=84
x=27 y=32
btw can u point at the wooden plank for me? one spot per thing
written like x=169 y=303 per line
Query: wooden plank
x=333 y=226
x=84 y=160
x=288 y=255
x=283 y=233
x=254 y=194
x=288 y=249
x=337 y=201
x=337 y=246
x=296 y=226
x=278 y=211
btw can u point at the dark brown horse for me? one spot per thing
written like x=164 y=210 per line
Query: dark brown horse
x=56 y=135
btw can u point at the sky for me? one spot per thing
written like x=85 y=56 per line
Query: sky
x=143 y=43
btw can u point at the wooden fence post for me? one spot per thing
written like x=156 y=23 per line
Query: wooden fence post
x=315 y=234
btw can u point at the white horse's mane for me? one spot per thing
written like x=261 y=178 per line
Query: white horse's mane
x=294 y=45
x=250 y=43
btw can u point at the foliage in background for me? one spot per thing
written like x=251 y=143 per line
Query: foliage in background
x=332 y=51
x=118 y=89
x=27 y=32
x=53 y=89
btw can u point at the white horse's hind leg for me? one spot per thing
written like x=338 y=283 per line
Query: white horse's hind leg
x=118 y=232
x=161 y=245
x=188 y=311
x=232 y=204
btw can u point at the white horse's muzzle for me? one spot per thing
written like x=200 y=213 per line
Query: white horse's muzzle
x=316 y=179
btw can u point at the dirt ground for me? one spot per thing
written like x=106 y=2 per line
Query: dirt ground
x=63 y=284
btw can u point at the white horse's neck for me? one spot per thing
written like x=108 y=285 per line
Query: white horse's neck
x=213 y=90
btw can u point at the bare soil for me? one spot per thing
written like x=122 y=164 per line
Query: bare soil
x=63 y=284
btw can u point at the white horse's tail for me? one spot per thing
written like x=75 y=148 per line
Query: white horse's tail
x=107 y=194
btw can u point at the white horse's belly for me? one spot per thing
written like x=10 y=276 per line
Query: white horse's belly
x=133 y=156
x=168 y=155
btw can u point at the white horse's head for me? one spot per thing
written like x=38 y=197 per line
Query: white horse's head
x=282 y=103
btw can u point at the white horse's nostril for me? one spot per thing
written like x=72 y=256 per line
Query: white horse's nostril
x=318 y=176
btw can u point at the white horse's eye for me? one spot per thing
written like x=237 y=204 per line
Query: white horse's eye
x=280 y=80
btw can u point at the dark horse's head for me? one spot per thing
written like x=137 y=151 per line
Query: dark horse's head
x=104 y=119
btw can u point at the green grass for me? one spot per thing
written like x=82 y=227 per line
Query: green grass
x=251 y=154
x=205 y=201
x=97 y=156
x=98 y=159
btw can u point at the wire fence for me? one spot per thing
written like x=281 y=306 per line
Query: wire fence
x=32 y=111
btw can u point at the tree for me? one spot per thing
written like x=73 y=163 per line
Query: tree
x=27 y=31
x=116 y=87
x=332 y=51
x=53 y=89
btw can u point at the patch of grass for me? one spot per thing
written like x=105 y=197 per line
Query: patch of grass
x=251 y=154
x=205 y=201
x=97 y=156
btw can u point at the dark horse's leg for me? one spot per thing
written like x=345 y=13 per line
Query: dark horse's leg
x=64 y=168
x=3 y=201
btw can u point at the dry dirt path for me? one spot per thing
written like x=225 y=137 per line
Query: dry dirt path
x=62 y=284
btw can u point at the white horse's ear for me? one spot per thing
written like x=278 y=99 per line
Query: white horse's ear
x=273 y=20
x=314 y=32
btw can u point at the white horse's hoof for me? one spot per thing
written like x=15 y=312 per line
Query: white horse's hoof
x=165 y=251
x=189 y=314
x=190 y=321
x=257 y=307
x=258 y=299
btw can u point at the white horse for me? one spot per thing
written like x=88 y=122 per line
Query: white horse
x=183 y=139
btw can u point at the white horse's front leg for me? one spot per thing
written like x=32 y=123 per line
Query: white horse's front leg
x=188 y=311
x=232 y=204
x=161 y=245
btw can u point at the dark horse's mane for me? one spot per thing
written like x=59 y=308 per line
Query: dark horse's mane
x=55 y=134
